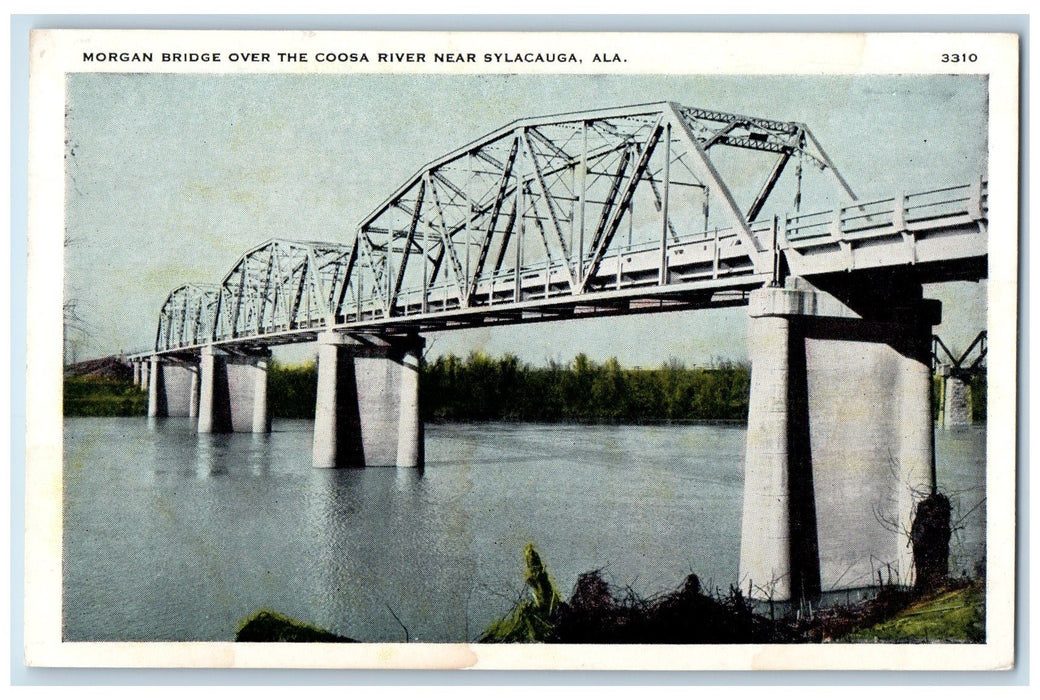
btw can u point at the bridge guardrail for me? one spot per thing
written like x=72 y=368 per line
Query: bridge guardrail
x=894 y=213
x=856 y=221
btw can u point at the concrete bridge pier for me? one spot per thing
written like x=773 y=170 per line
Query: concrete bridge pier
x=136 y=365
x=156 y=389
x=172 y=387
x=233 y=392
x=193 y=396
x=955 y=402
x=840 y=441
x=367 y=409
x=143 y=378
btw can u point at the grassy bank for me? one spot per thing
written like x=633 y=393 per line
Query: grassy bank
x=268 y=626
x=100 y=396
x=955 y=614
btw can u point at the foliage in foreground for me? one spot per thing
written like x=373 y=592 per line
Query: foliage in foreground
x=269 y=626
x=956 y=614
x=598 y=613
x=530 y=620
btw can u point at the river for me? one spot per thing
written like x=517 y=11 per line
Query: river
x=173 y=536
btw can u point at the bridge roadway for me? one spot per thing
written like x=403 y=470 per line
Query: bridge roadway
x=622 y=211
x=939 y=233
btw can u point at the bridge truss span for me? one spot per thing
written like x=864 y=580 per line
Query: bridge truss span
x=629 y=210
x=612 y=211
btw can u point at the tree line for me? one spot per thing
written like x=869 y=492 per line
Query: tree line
x=481 y=388
x=484 y=388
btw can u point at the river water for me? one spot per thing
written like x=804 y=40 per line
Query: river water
x=174 y=536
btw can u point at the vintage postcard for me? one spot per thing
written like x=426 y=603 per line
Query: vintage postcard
x=522 y=350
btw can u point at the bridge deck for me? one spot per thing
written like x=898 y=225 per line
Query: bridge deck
x=922 y=231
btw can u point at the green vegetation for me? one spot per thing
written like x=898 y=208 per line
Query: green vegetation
x=977 y=383
x=598 y=613
x=101 y=396
x=292 y=390
x=268 y=626
x=482 y=388
x=956 y=615
x=978 y=398
x=530 y=620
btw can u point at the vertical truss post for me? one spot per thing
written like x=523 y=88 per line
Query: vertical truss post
x=469 y=227
x=715 y=256
x=663 y=278
x=425 y=265
x=357 y=289
x=581 y=197
x=388 y=273
x=776 y=252
x=519 y=234
x=238 y=300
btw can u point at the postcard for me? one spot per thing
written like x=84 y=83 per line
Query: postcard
x=500 y=350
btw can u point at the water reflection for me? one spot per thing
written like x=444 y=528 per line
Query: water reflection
x=408 y=478
x=170 y=535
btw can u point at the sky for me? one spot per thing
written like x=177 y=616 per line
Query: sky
x=170 y=178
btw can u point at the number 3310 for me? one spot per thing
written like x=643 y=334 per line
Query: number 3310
x=959 y=58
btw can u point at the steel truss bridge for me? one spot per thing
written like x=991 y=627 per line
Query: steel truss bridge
x=635 y=209
x=967 y=363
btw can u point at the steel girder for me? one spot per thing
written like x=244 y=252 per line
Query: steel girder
x=649 y=201
x=958 y=365
x=187 y=316
x=552 y=194
x=281 y=285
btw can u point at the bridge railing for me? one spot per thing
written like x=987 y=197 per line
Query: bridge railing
x=718 y=253
x=548 y=278
x=894 y=214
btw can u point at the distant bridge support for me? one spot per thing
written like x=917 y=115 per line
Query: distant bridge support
x=840 y=442
x=955 y=403
x=143 y=376
x=233 y=392
x=136 y=365
x=173 y=386
x=367 y=411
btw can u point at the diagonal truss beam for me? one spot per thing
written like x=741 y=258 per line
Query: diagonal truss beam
x=760 y=258
x=496 y=209
x=552 y=212
x=602 y=241
x=409 y=239
x=447 y=244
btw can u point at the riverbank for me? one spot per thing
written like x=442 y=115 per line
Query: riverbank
x=598 y=612
x=102 y=397
x=481 y=388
